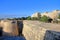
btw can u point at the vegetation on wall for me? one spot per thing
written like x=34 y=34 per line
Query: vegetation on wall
x=28 y=18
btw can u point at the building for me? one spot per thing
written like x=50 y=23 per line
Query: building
x=37 y=14
x=53 y=15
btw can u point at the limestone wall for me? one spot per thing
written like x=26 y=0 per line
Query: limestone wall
x=9 y=28
x=33 y=30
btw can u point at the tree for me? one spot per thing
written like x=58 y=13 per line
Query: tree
x=59 y=16
x=18 y=18
x=34 y=18
x=28 y=18
x=23 y=18
x=44 y=18
x=8 y=19
x=14 y=19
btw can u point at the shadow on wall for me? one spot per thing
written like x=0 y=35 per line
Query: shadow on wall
x=20 y=28
x=1 y=31
x=52 y=35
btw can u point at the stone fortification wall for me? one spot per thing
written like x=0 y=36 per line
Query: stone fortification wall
x=9 y=28
x=33 y=34
x=34 y=30
x=31 y=30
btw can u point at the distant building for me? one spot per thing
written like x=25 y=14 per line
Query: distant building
x=53 y=15
x=37 y=14
x=45 y=13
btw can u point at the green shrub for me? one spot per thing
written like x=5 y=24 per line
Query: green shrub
x=44 y=18
x=28 y=18
x=59 y=16
x=34 y=18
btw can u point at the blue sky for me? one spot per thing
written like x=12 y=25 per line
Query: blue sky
x=23 y=8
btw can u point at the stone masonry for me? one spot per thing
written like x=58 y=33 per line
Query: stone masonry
x=9 y=27
x=31 y=30
x=35 y=30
